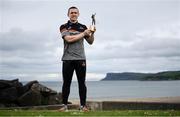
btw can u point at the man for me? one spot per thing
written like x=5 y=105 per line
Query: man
x=73 y=34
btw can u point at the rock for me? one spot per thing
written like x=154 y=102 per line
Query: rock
x=55 y=99
x=30 y=98
x=4 y=84
x=13 y=93
x=9 y=83
x=45 y=91
x=39 y=94
x=49 y=96
x=8 y=95
x=27 y=87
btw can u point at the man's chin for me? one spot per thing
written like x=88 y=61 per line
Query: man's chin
x=73 y=20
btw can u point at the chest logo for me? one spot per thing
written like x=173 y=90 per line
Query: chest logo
x=69 y=27
x=81 y=28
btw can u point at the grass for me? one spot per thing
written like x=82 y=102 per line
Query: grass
x=41 y=113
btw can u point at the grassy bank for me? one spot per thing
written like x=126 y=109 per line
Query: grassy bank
x=42 y=113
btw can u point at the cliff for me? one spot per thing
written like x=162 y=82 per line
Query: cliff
x=167 y=75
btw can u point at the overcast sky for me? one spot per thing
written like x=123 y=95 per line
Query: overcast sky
x=131 y=36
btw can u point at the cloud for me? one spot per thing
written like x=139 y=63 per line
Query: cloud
x=160 y=42
x=28 y=51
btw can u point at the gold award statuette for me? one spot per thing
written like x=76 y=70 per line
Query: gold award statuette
x=92 y=27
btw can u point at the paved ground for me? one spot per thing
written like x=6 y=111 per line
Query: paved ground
x=118 y=104
x=158 y=99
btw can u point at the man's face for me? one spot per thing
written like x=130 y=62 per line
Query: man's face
x=73 y=14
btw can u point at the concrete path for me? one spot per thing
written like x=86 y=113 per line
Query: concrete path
x=162 y=103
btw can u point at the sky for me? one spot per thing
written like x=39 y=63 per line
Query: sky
x=132 y=36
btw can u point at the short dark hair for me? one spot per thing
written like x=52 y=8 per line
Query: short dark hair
x=73 y=7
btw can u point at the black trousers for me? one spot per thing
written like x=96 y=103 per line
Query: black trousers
x=69 y=66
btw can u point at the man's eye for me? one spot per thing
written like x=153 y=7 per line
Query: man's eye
x=73 y=12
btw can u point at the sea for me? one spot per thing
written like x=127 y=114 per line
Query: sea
x=121 y=89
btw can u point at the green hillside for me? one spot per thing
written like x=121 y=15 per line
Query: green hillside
x=167 y=75
x=170 y=75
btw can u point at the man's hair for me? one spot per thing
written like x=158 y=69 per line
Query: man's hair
x=73 y=7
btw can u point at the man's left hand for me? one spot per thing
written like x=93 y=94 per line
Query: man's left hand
x=92 y=28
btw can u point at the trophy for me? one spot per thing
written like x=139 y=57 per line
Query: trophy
x=92 y=27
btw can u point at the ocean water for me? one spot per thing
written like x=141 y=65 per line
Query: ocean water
x=122 y=89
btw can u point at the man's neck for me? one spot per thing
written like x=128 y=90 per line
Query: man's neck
x=73 y=21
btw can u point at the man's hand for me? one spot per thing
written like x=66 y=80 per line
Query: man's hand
x=87 y=32
x=92 y=28
x=90 y=34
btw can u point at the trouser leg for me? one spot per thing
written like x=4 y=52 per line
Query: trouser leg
x=67 y=70
x=80 y=68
